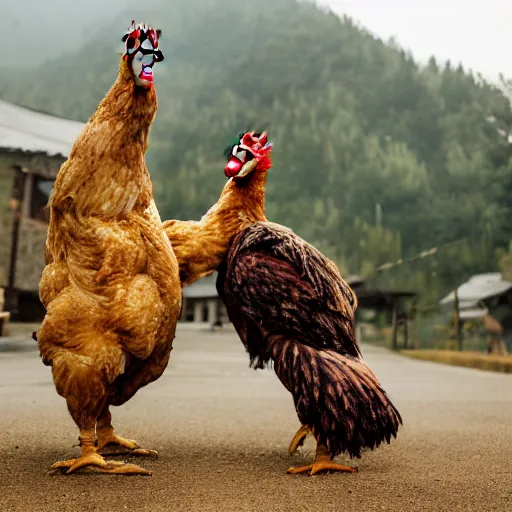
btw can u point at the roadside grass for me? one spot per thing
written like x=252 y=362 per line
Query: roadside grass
x=478 y=360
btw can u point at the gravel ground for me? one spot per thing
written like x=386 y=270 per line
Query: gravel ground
x=223 y=430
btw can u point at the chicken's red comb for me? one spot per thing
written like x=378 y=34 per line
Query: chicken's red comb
x=259 y=146
x=252 y=139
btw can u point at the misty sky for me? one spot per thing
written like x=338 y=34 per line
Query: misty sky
x=477 y=33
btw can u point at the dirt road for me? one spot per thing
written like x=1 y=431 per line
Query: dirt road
x=223 y=430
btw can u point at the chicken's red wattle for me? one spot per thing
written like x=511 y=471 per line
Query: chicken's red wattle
x=233 y=167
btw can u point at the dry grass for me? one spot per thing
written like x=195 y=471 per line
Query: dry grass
x=479 y=360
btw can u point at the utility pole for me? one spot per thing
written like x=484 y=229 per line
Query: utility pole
x=394 y=323
x=456 y=319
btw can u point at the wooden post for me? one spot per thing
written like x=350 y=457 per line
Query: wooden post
x=218 y=312
x=16 y=203
x=28 y=188
x=358 y=332
x=212 y=311
x=183 y=313
x=406 y=332
x=394 y=325
x=198 y=311
x=456 y=319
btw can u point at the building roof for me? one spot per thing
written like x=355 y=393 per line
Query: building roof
x=479 y=287
x=472 y=314
x=23 y=129
x=354 y=280
x=376 y=298
x=202 y=289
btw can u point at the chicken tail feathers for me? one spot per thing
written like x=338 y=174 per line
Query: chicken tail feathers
x=337 y=396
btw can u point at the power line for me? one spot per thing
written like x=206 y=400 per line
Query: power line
x=421 y=255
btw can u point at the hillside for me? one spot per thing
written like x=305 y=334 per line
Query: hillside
x=358 y=128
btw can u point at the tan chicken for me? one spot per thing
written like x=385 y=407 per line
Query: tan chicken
x=291 y=308
x=111 y=285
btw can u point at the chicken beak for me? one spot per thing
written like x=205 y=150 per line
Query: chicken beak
x=247 y=169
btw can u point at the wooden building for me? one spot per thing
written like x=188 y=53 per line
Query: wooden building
x=392 y=302
x=33 y=145
x=202 y=304
x=486 y=297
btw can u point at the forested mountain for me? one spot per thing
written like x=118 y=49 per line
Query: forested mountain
x=375 y=157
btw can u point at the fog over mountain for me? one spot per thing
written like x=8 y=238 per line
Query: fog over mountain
x=470 y=31
x=38 y=30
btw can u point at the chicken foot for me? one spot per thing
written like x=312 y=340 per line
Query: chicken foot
x=299 y=438
x=93 y=461
x=322 y=464
x=109 y=443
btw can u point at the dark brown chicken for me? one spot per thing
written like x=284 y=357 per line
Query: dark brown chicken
x=291 y=308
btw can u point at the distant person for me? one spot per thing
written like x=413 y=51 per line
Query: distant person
x=494 y=336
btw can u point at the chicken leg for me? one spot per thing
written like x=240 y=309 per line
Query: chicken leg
x=109 y=443
x=90 y=458
x=299 y=438
x=93 y=461
x=322 y=464
x=83 y=389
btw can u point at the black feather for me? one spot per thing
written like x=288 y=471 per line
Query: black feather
x=228 y=149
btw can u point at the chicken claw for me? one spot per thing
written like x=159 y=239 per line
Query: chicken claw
x=321 y=467
x=96 y=463
x=90 y=459
x=323 y=463
x=299 y=438
x=112 y=444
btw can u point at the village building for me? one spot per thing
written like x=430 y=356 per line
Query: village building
x=33 y=146
x=487 y=298
x=202 y=304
